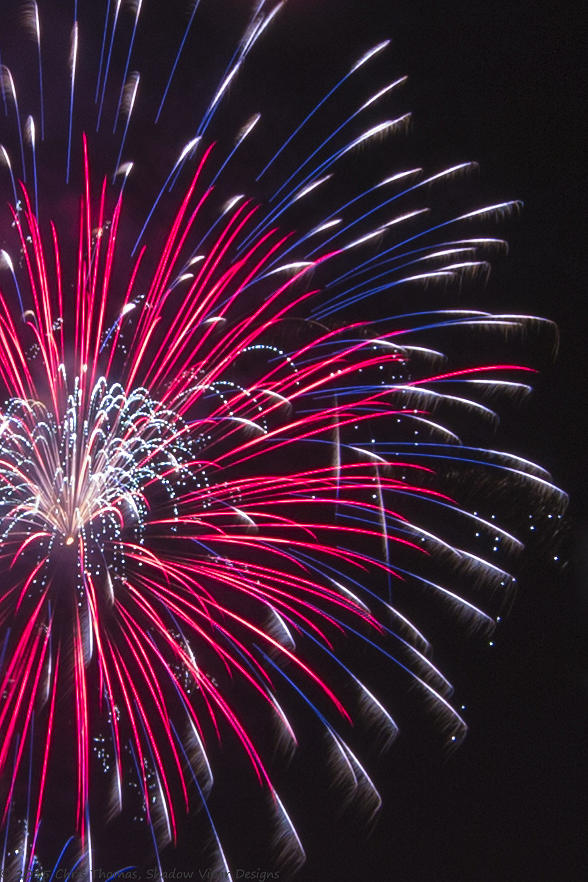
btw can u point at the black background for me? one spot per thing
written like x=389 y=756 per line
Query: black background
x=503 y=84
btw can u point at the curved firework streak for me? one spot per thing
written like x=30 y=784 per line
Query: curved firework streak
x=213 y=471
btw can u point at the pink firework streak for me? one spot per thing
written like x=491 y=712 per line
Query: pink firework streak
x=222 y=461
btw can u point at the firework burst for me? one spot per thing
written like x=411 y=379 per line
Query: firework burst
x=222 y=458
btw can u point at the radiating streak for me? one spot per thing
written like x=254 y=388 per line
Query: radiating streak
x=358 y=64
x=6 y=159
x=8 y=86
x=139 y=4
x=36 y=28
x=186 y=150
x=195 y=5
x=227 y=872
x=31 y=139
x=334 y=133
x=233 y=68
x=292 y=196
x=245 y=132
x=3 y=90
x=8 y=262
x=73 y=60
x=107 y=65
x=102 y=50
x=445 y=173
x=128 y=104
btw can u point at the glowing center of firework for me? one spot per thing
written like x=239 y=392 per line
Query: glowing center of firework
x=87 y=473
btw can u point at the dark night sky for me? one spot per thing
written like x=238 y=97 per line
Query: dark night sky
x=503 y=84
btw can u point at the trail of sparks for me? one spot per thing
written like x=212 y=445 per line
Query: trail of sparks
x=200 y=481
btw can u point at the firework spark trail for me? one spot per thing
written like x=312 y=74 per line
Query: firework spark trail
x=8 y=88
x=202 y=483
x=195 y=5
x=73 y=61
x=127 y=62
